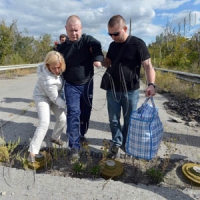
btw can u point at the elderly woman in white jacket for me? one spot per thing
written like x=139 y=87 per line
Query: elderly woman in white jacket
x=47 y=97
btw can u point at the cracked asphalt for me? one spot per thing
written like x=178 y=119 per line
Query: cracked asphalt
x=18 y=118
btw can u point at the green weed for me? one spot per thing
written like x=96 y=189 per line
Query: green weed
x=105 y=148
x=95 y=171
x=22 y=159
x=89 y=157
x=155 y=175
x=7 y=149
x=78 y=167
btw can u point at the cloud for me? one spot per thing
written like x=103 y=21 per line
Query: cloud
x=185 y=22
x=170 y=4
x=197 y=2
x=49 y=16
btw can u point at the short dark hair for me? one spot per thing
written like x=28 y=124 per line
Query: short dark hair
x=62 y=36
x=116 y=19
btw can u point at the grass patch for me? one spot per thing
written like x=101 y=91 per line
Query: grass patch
x=89 y=165
x=18 y=72
x=168 y=83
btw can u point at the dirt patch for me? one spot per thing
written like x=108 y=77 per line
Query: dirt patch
x=187 y=109
x=157 y=171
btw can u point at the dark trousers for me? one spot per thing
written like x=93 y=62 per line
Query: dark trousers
x=79 y=105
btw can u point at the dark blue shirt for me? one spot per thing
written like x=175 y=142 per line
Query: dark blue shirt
x=79 y=57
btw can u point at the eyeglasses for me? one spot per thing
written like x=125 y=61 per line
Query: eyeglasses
x=114 y=34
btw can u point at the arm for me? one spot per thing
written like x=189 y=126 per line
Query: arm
x=97 y=55
x=52 y=92
x=106 y=62
x=150 y=75
x=95 y=63
x=95 y=50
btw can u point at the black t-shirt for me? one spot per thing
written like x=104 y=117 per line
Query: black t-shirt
x=130 y=60
x=79 y=59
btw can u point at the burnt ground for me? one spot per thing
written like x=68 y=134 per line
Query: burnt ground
x=187 y=109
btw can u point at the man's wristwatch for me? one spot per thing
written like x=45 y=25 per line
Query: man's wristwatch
x=152 y=84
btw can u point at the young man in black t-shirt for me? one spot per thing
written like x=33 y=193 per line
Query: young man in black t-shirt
x=124 y=92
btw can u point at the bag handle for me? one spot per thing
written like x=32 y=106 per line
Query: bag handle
x=152 y=101
x=154 y=107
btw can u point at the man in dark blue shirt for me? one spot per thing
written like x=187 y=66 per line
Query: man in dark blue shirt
x=81 y=52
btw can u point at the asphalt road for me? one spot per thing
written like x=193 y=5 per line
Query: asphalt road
x=18 y=118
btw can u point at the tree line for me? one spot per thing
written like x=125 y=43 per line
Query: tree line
x=174 y=49
x=19 y=48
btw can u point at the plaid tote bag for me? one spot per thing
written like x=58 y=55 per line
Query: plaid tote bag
x=145 y=132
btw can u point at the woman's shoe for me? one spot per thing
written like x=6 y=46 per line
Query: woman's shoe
x=58 y=142
x=31 y=158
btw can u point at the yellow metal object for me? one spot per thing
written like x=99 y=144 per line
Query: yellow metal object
x=42 y=160
x=111 y=168
x=189 y=170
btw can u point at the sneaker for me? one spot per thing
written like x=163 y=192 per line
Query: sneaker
x=123 y=148
x=75 y=153
x=68 y=151
x=83 y=140
x=58 y=142
x=115 y=150
x=31 y=158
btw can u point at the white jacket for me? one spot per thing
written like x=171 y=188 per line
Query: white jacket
x=48 y=87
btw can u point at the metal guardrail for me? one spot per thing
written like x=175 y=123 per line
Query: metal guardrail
x=194 y=78
x=13 y=67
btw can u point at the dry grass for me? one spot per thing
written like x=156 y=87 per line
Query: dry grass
x=19 y=72
x=168 y=83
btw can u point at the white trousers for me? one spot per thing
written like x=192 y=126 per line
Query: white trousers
x=44 y=111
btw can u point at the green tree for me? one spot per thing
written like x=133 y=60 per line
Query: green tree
x=6 y=40
x=41 y=47
x=24 y=46
x=18 y=48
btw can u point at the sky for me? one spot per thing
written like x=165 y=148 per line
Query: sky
x=149 y=18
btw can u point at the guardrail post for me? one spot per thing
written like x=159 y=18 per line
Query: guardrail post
x=193 y=85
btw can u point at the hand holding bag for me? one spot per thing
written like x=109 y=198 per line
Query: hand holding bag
x=145 y=132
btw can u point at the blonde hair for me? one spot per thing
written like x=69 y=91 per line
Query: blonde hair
x=54 y=57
